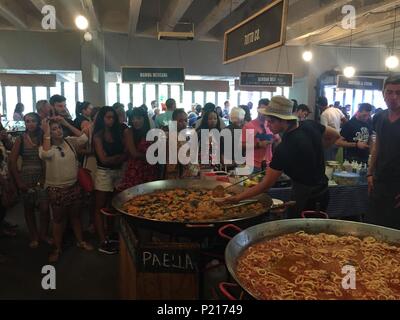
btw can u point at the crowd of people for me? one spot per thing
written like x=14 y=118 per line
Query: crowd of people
x=43 y=163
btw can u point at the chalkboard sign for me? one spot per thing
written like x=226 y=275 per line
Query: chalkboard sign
x=262 y=31
x=360 y=83
x=266 y=79
x=238 y=87
x=153 y=75
x=171 y=259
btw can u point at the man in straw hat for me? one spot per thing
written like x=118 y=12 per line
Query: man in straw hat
x=300 y=155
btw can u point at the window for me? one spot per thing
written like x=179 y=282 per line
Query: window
x=111 y=93
x=222 y=97
x=41 y=93
x=286 y=92
x=11 y=100
x=368 y=96
x=349 y=97
x=244 y=97
x=254 y=97
x=69 y=93
x=137 y=95
x=150 y=93
x=199 y=97
x=124 y=94
x=379 y=102
x=357 y=101
x=176 y=93
x=278 y=91
x=265 y=95
x=56 y=89
x=339 y=97
x=187 y=100
x=329 y=95
x=27 y=99
x=80 y=91
x=210 y=97
x=163 y=94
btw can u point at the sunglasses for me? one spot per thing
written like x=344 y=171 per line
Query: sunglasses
x=61 y=151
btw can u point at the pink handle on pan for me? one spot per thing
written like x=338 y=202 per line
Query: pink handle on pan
x=223 y=288
x=221 y=231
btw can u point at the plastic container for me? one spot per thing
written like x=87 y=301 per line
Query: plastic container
x=346 y=178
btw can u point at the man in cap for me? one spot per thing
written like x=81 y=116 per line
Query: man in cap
x=300 y=155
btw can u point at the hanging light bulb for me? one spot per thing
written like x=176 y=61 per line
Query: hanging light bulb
x=88 y=36
x=81 y=22
x=307 y=55
x=349 y=71
x=392 y=62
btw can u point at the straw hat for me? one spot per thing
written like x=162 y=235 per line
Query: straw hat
x=279 y=107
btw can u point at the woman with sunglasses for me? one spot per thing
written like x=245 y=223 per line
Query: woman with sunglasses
x=30 y=179
x=63 y=189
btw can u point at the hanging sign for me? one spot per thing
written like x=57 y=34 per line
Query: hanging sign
x=360 y=83
x=262 y=31
x=154 y=75
x=266 y=79
x=238 y=87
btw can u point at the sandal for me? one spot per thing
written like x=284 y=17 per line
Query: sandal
x=84 y=245
x=54 y=256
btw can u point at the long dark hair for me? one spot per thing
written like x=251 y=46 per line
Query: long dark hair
x=247 y=115
x=38 y=132
x=80 y=106
x=204 y=121
x=99 y=125
x=18 y=107
x=139 y=134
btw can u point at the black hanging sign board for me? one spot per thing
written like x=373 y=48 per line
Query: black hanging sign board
x=264 y=30
x=154 y=75
x=266 y=79
x=360 y=83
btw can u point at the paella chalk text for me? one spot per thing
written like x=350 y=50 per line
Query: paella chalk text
x=173 y=261
x=349 y=280
x=189 y=151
